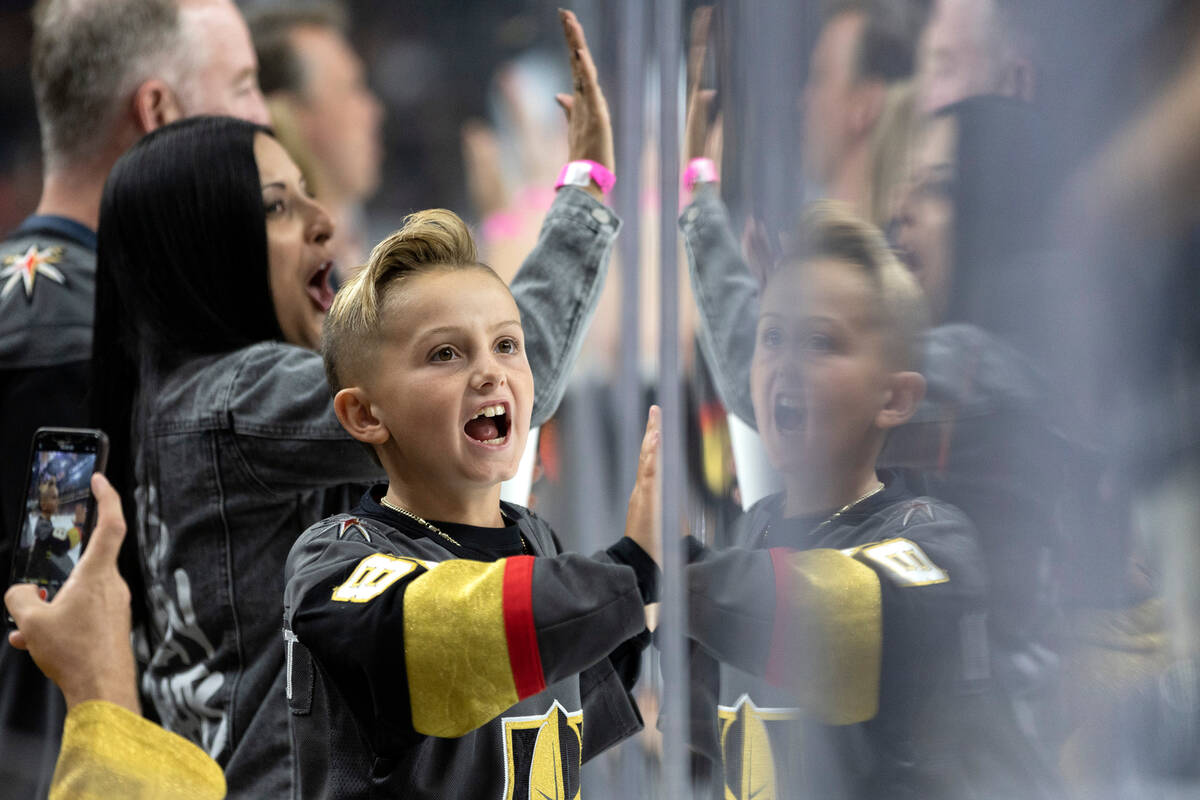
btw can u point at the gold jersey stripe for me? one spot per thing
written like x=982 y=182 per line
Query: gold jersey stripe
x=455 y=648
x=828 y=635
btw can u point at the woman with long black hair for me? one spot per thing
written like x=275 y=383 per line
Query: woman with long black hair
x=212 y=283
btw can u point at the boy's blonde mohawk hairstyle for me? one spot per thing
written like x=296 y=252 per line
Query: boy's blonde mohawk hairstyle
x=427 y=240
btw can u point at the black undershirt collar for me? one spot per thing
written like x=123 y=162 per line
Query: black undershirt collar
x=475 y=542
x=796 y=531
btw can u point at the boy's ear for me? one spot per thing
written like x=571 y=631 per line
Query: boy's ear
x=905 y=392
x=353 y=409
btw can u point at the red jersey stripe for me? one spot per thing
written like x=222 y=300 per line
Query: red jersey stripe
x=523 y=654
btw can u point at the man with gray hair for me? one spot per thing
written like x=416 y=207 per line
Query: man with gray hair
x=105 y=72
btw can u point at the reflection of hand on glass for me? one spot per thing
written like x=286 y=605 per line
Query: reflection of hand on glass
x=641 y=521
x=701 y=138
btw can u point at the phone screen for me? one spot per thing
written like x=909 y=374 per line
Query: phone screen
x=59 y=510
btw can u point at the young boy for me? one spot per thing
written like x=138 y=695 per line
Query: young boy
x=842 y=648
x=439 y=644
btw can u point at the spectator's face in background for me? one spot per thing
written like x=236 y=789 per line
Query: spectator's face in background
x=80 y=515
x=957 y=54
x=819 y=375
x=452 y=345
x=298 y=231
x=338 y=114
x=925 y=225
x=829 y=96
x=221 y=69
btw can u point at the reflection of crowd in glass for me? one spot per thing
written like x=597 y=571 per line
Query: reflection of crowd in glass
x=969 y=365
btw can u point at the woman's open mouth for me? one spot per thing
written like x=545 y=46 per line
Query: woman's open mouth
x=490 y=425
x=319 y=289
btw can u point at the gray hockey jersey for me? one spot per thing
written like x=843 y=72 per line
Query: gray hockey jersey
x=457 y=666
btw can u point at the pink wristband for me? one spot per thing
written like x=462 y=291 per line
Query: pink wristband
x=581 y=173
x=699 y=170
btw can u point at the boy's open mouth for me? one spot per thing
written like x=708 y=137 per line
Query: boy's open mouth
x=789 y=414
x=489 y=425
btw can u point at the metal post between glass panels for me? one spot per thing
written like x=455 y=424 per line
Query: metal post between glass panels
x=672 y=622
x=630 y=141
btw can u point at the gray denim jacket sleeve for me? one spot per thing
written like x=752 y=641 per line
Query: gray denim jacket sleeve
x=284 y=429
x=558 y=287
x=726 y=296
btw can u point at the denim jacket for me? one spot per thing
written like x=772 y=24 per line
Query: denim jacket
x=242 y=452
x=726 y=297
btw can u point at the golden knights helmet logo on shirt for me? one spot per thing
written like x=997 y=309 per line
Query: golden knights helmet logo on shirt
x=750 y=739
x=543 y=755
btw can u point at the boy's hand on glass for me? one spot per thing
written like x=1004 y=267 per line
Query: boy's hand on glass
x=589 y=126
x=642 y=522
x=80 y=639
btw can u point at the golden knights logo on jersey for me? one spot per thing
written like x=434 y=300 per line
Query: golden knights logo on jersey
x=543 y=755
x=23 y=268
x=755 y=743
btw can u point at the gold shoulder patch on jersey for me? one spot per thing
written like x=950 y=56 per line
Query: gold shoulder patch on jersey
x=902 y=561
x=373 y=575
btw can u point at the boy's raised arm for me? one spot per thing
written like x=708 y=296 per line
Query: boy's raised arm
x=726 y=292
x=558 y=285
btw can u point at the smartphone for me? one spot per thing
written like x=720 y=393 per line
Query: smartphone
x=59 y=511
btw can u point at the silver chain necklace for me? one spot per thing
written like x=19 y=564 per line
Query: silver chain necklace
x=835 y=515
x=399 y=509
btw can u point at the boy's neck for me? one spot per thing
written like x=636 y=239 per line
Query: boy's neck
x=811 y=493
x=473 y=507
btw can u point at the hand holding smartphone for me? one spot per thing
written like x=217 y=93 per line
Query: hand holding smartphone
x=59 y=510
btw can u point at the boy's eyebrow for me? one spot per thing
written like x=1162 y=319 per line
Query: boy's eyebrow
x=805 y=318
x=275 y=185
x=457 y=328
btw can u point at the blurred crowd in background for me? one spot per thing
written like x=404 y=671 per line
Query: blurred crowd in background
x=1034 y=163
